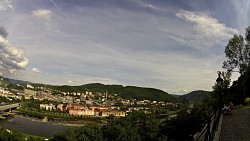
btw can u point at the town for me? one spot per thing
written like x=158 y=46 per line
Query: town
x=84 y=104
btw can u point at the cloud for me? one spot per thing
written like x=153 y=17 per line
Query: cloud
x=12 y=59
x=42 y=14
x=206 y=30
x=146 y=5
x=36 y=70
x=3 y=32
x=44 y=17
x=71 y=82
x=5 y=5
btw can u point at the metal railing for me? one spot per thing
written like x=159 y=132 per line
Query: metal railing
x=209 y=130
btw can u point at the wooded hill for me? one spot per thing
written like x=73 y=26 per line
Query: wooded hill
x=195 y=95
x=125 y=92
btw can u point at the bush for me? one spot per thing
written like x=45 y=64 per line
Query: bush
x=247 y=101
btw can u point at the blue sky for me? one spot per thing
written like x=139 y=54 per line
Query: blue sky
x=176 y=46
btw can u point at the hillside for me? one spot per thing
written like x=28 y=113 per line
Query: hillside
x=14 y=81
x=126 y=92
x=195 y=95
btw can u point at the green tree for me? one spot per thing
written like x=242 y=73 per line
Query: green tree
x=32 y=99
x=59 y=136
x=226 y=76
x=23 y=99
x=237 y=51
x=7 y=135
x=247 y=100
x=90 y=132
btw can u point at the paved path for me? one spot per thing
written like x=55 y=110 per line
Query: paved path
x=236 y=127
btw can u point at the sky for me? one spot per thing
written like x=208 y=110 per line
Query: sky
x=173 y=45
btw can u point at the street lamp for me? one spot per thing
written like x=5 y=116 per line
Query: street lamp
x=219 y=81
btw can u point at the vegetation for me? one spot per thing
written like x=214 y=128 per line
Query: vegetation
x=195 y=95
x=31 y=107
x=140 y=126
x=239 y=90
x=247 y=101
x=37 y=112
x=238 y=53
x=128 y=92
x=4 y=99
x=9 y=135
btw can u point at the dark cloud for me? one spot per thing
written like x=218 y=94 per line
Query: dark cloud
x=12 y=59
x=3 y=32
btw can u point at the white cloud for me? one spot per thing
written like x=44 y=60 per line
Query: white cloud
x=73 y=82
x=44 y=16
x=206 y=30
x=147 y=5
x=36 y=70
x=5 y=5
x=11 y=58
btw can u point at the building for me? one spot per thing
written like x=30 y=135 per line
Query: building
x=29 y=86
x=60 y=107
x=29 y=92
x=49 y=107
x=81 y=112
x=75 y=106
x=100 y=107
x=117 y=113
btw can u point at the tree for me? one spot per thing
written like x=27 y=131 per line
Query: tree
x=237 y=51
x=90 y=132
x=247 y=100
x=23 y=99
x=226 y=76
x=7 y=135
x=59 y=136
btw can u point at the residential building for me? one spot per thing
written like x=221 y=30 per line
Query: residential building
x=49 y=107
x=117 y=113
x=81 y=112
x=29 y=92
x=75 y=106
x=60 y=107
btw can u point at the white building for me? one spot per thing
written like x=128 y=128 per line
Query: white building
x=49 y=107
x=29 y=86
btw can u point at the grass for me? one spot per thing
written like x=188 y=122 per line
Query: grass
x=242 y=107
x=36 y=138
x=246 y=107
x=172 y=112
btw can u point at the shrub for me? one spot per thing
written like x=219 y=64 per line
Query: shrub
x=247 y=101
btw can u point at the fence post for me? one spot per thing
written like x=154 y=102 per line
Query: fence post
x=190 y=138
x=208 y=133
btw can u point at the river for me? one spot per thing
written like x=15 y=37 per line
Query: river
x=29 y=126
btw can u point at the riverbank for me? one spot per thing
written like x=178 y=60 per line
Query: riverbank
x=15 y=135
x=60 y=117
x=34 y=127
x=51 y=122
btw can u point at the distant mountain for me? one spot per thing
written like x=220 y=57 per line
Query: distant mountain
x=175 y=95
x=126 y=92
x=195 y=95
x=14 y=81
